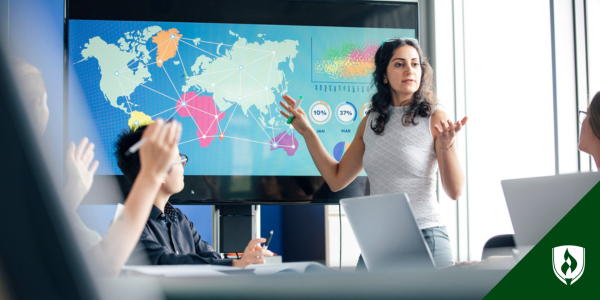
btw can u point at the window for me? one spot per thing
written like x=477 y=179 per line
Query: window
x=509 y=99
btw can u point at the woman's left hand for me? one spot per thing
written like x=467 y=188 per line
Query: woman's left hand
x=447 y=131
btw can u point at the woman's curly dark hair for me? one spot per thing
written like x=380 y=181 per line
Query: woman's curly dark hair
x=423 y=100
x=594 y=115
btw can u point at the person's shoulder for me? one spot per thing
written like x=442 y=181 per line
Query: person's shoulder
x=362 y=125
x=438 y=115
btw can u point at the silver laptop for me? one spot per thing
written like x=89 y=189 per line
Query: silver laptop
x=387 y=233
x=536 y=205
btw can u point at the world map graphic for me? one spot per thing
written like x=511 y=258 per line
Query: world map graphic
x=244 y=75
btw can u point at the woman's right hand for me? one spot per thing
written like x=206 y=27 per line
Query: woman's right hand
x=300 y=122
x=156 y=155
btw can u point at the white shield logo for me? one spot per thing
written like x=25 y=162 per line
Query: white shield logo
x=568 y=263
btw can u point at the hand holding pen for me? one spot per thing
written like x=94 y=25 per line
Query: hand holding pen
x=253 y=254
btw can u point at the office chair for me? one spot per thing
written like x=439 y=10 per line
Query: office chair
x=499 y=245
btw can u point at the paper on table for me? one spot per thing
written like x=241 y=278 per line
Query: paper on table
x=178 y=270
x=296 y=267
x=211 y=270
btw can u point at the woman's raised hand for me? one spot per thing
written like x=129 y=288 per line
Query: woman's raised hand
x=447 y=131
x=300 y=122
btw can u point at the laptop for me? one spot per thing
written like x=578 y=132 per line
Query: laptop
x=387 y=233
x=536 y=205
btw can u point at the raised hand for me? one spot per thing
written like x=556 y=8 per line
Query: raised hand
x=447 y=131
x=80 y=171
x=156 y=154
x=253 y=254
x=300 y=121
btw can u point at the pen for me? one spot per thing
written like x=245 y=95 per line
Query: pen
x=133 y=149
x=268 y=240
x=296 y=106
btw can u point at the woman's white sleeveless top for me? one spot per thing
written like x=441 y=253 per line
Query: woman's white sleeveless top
x=403 y=159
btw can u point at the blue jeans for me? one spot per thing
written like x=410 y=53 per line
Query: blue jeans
x=439 y=245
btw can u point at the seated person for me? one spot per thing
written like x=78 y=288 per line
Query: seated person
x=169 y=237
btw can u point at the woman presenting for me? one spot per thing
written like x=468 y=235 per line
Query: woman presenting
x=400 y=144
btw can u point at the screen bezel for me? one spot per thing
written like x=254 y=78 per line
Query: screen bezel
x=287 y=189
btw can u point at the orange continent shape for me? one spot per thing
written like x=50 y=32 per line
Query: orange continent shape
x=167 y=42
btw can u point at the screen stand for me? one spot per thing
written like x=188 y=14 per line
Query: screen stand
x=234 y=226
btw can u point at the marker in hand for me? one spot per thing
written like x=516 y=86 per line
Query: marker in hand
x=296 y=106
x=135 y=147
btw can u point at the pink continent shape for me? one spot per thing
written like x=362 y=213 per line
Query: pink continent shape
x=203 y=110
x=285 y=141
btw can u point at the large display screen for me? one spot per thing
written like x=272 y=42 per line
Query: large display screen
x=223 y=82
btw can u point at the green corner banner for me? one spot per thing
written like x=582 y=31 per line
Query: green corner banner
x=551 y=270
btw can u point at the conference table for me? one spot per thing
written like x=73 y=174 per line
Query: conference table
x=451 y=283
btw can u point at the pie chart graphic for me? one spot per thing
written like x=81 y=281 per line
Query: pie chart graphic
x=339 y=150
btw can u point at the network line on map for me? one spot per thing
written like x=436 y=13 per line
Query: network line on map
x=173 y=41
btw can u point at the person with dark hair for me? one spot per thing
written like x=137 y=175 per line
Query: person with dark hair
x=402 y=142
x=169 y=237
x=589 y=137
x=121 y=237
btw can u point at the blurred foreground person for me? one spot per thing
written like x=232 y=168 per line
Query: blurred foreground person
x=108 y=253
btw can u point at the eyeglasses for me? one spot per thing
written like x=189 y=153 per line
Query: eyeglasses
x=399 y=39
x=183 y=161
x=582 y=116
